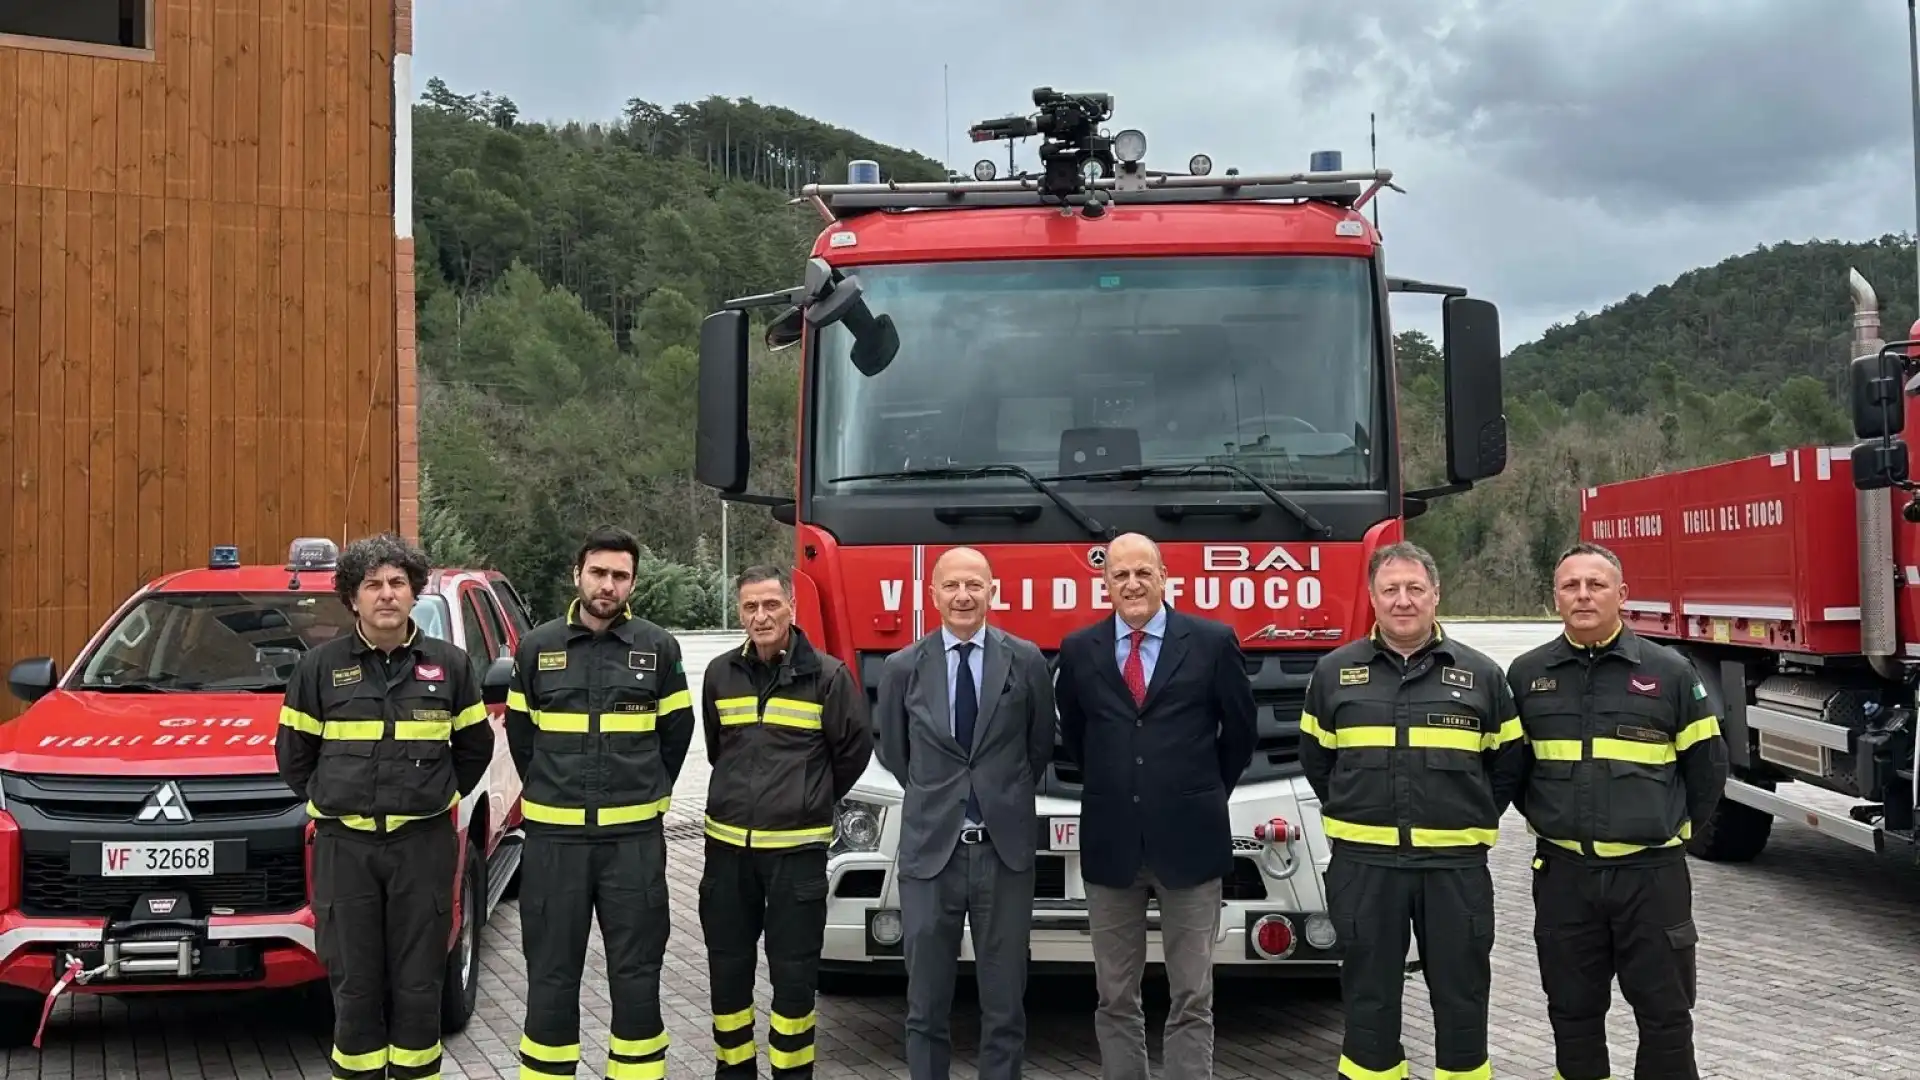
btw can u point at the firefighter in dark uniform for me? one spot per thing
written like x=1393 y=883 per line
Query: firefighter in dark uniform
x=598 y=720
x=788 y=734
x=383 y=732
x=1409 y=739
x=1624 y=756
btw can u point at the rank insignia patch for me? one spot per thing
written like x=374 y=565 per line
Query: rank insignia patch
x=1454 y=676
x=1354 y=676
x=642 y=661
x=1645 y=687
x=553 y=661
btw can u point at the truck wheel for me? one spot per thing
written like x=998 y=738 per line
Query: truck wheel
x=1734 y=832
x=19 y=1017
x=460 y=990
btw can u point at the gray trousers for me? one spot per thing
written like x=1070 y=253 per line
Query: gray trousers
x=975 y=889
x=1189 y=918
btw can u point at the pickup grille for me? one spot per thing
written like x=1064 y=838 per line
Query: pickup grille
x=274 y=882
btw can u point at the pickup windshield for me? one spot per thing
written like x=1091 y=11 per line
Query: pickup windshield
x=1063 y=366
x=223 y=641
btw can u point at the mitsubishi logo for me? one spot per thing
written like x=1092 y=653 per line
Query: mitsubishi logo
x=166 y=804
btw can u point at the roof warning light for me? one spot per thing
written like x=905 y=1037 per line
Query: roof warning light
x=224 y=557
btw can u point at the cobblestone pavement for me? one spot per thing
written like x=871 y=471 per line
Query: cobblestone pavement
x=1808 y=970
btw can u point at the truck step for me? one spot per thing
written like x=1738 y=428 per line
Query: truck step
x=500 y=868
x=1841 y=827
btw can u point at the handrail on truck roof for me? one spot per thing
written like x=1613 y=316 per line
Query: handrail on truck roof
x=1341 y=188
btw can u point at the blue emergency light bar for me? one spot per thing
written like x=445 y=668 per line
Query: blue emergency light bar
x=224 y=557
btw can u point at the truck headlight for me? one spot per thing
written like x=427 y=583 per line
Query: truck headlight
x=856 y=825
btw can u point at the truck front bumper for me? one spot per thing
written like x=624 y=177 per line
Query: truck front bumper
x=211 y=953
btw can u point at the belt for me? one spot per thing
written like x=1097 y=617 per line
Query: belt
x=973 y=834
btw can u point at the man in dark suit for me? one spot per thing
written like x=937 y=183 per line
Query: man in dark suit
x=1157 y=710
x=966 y=721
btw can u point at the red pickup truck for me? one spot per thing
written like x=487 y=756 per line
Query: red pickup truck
x=146 y=841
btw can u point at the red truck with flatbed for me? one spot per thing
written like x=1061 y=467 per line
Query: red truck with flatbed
x=146 y=840
x=1789 y=579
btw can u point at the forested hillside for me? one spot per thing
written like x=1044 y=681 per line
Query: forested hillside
x=563 y=272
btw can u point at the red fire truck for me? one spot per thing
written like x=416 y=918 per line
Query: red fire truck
x=1033 y=365
x=1787 y=578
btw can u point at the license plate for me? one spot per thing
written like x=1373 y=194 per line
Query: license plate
x=156 y=858
x=1063 y=834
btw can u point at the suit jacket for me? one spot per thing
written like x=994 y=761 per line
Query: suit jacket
x=1155 y=779
x=1012 y=744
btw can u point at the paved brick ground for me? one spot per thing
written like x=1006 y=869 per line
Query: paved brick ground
x=1808 y=956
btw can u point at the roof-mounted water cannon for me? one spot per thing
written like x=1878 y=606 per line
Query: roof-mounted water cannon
x=1073 y=153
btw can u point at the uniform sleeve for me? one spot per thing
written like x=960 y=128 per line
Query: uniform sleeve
x=1702 y=752
x=520 y=726
x=848 y=730
x=472 y=740
x=1073 y=719
x=1504 y=752
x=296 y=746
x=890 y=717
x=1316 y=733
x=675 y=709
x=1040 y=732
x=1516 y=677
x=709 y=712
x=1239 y=717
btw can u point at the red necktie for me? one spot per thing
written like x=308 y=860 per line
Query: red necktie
x=1133 y=672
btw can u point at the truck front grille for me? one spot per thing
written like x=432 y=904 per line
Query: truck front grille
x=274 y=882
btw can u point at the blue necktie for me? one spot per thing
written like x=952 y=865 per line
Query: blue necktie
x=966 y=710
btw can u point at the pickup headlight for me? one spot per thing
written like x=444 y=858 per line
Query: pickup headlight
x=856 y=826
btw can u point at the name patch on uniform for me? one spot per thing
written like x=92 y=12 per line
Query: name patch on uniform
x=1453 y=720
x=553 y=661
x=1639 y=734
x=1645 y=687
x=1454 y=676
x=432 y=714
x=429 y=672
x=642 y=661
x=1354 y=676
x=346 y=676
x=1542 y=685
x=631 y=706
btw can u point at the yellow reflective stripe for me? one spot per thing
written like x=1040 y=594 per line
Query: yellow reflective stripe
x=570 y=723
x=1311 y=728
x=605 y=815
x=1608 y=849
x=1557 y=749
x=405 y=1058
x=674 y=702
x=354 y=730
x=1353 y=1071
x=737 y=710
x=558 y=1055
x=1346 y=737
x=298 y=721
x=734 y=1055
x=788 y=1059
x=552 y=815
x=1480 y=1072
x=516 y=701
x=637 y=1047
x=1511 y=731
x=726 y=834
x=367 y=1062
x=1385 y=835
x=789 y=1026
x=1698 y=731
x=767 y=838
x=368 y=824
x=473 y=714
x=1438 y=838
x=636 y=1070
x=802 y=723
x=795 y=707
x=1640 y=752
x=434 y=730
x=644 y=721
x=733 y=1021
x=1440 y=738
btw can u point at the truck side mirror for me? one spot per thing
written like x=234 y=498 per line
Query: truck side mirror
x=31 y=680
x=720 y=455
x=494 y=683
x=1878 y=400
x=1475 y=405
x=1879 y=464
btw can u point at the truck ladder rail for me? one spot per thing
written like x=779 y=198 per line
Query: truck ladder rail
x=1339 y=188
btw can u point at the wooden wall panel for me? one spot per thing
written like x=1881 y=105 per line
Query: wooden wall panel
x=198 y=335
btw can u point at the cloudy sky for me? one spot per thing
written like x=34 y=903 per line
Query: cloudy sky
x=1556 y=156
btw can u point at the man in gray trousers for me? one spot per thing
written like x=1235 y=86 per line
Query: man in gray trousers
x=966 y=724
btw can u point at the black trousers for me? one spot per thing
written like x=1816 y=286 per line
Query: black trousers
x=383 y=917
x=566 y=882
x=1593 y=922
x=1450 y=912
x=782 y=893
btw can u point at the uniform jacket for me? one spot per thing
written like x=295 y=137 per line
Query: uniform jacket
x=787 y=741
x=1624 y=748
x=599 y=724
x=375 y=741
x=1155 y=779
x=1414 y=759
x=1012 y=745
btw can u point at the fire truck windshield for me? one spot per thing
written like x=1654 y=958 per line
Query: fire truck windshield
x=1067 y=366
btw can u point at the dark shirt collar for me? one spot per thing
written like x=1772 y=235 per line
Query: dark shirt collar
x=623 y=625
x=361 y=646
x=1436 y=643
x=1623 y=643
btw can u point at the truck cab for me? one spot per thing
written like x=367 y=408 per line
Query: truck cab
x=1031 y=366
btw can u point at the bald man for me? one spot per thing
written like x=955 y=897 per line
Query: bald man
x=966 y=724
x=1157 y=710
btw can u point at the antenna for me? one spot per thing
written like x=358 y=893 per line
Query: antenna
x=946 y=120
x=1373 y=148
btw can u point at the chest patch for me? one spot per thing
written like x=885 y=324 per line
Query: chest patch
x=642 y=661
x=1543 y=686
x=553 y=661
x=631 y=707
x=1454 y=676
x=347 y=676
x=432 y=714
x=429 y=672
x=1456 y=721
x=1644 y=685
x=1639 y=734
x=1354 y=676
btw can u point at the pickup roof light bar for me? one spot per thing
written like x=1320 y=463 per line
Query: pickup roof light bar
x=1341 y=188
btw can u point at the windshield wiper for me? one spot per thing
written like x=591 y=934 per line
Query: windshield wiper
x=1137 y=472
x=138 y=686
x=971 y=472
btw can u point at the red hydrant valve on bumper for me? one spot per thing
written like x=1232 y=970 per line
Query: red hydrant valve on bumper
x=1277 y=831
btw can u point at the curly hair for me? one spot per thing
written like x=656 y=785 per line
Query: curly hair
x=362 y=557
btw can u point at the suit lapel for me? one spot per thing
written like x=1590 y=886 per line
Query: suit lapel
x=1173 y=649
x=1108 y=661
x=995 y=666
x=933 y=682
